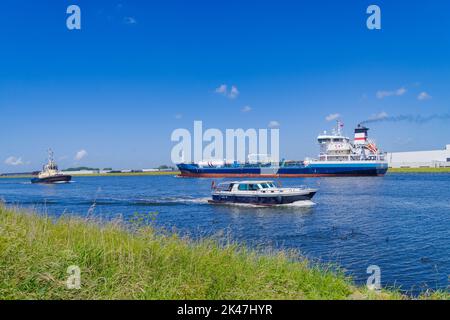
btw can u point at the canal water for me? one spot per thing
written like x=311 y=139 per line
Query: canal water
x=400 y=222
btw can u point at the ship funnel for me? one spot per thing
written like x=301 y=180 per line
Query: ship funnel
x=360 y=135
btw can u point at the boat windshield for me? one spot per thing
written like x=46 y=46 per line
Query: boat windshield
x=224 y=187
x=249 y=187
x=267 y=185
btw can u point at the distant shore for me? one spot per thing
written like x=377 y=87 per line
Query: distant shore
x=128 y=174
x=175 y=173
x=419 y=170
x=114 y=174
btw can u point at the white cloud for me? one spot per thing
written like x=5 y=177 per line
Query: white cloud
x=400 y=92
x=129 y=20
x=424 y=96
x=14 y=161
x=273 y=124
x=378 y=116
x=233 y=93
x=223 y=90
x=80 y=155
x=332 y=116
x=383 y=94
x=178 y=116
x=246 y=109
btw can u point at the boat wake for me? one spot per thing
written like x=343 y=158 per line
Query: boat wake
x=163 y=201
x=297 y=204
x=191 y=200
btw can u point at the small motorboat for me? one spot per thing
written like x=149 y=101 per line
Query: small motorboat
x=50 y=173
x=263 y=193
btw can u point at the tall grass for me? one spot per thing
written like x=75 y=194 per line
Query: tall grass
x=115 y=263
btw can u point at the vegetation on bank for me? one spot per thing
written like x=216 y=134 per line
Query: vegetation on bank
x=419 y=170
x=82 y=168
x=119 y=263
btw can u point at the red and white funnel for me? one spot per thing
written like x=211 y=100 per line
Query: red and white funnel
x=360 y=135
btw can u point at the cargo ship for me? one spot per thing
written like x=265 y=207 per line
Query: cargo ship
x=339 y=156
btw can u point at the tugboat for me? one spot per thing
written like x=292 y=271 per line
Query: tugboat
x=50 y=173
x=339 y=157
x=262 y=193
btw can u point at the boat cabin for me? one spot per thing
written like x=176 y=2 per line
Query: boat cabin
x=245 y=186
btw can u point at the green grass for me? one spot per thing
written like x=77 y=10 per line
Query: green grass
x=116 y=263
x=419 y=170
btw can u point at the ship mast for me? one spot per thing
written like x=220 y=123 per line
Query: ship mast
x=50 y=156
x=339 y=126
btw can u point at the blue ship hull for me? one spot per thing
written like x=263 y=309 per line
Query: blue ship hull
x=314 y=169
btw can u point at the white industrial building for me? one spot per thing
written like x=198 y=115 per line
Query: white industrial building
x=81 y=172
x=418 y=159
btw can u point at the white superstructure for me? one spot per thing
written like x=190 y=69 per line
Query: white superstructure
x=337 y=147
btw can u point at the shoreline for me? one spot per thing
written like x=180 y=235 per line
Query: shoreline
x=116 y=174
x=144 y=263
x=419 y=170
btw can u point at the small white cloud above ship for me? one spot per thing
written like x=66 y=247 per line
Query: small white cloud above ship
x=246 y=109
x=273 y=124
x=223 y=90
x=14 y=161
x=424 y=96
x=333 y=116
x=81 y=154
x=129 y=20
x=383 y=93
x=234 y=92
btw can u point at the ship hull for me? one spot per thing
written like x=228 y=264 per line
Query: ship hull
x=52 y=180
x=318 y=169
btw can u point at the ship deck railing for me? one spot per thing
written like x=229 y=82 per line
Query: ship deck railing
x=324 y=157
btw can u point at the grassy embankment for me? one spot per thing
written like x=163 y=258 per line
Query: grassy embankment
x=115 y=263
x=419 y=170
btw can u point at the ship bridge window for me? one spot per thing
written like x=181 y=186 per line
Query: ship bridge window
x=264 y=185
x=253 y=187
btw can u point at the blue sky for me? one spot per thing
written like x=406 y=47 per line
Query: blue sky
x=137 y=70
